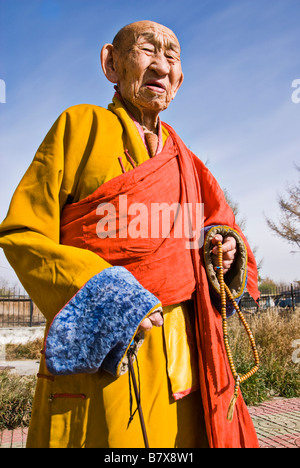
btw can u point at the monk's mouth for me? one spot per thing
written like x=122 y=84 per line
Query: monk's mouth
x=155 y=87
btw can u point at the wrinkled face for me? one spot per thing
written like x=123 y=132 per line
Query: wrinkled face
x=149 y=68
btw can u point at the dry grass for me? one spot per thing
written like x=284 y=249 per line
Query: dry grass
x=31 y=350
x=17 y=392
x=275 y=332
x=16 y=397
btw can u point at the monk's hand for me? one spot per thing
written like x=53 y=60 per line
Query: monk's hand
x=154 y=319
x=229 y=251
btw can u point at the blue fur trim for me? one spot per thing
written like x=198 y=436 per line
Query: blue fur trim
x=98 y=323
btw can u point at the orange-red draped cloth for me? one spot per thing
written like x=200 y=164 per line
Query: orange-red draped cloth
x=165 y=265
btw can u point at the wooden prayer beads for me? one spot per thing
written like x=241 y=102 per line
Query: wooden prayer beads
x=225 y=291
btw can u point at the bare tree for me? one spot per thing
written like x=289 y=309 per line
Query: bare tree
x=288 y=227
x=241 y=221
x=236 y=210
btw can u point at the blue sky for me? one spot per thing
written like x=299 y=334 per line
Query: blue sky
x=234 y=109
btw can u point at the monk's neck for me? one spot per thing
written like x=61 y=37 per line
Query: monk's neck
x=148 y=119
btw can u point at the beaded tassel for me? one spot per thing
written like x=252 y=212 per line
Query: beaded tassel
x=224 y=290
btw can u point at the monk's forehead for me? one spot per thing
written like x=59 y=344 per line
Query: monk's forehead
x=160 y=39
x=149 y=31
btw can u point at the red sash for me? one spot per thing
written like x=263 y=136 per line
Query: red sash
x=162 y=265
x=166 y=266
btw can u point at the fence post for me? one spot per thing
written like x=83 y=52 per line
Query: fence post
x=31 y=313
x=293 y=297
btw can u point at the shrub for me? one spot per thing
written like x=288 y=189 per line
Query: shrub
x=274 y=333
x=30 y=350
x=16 y=397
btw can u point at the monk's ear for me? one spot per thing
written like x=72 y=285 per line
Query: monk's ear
x=108 y=63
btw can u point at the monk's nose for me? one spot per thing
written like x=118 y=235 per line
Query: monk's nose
x=160 y=64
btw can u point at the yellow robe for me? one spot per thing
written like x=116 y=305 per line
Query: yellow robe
x=80 y=153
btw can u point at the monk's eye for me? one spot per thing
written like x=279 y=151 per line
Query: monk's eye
x=148 y=49
x=171 y=56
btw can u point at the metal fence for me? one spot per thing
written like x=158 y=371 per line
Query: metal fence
x=283 y=299
x=18 y=310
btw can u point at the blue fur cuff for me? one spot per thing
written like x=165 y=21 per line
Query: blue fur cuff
x=236 y=278
x=96 y=327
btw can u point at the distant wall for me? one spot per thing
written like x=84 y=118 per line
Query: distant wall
x=18 y=336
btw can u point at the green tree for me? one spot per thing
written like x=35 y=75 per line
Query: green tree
x=267 y=285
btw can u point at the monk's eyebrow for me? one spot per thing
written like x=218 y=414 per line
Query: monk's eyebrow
x=156 y=41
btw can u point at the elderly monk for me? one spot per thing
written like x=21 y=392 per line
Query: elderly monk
x=78 y=235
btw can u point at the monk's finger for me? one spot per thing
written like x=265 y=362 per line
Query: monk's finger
x=145 y=325
x=229 y=244
x=154 y=319
x=216 y=239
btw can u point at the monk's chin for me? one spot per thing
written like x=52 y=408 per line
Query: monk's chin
x=154 y=102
